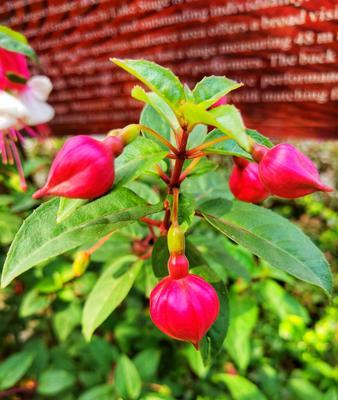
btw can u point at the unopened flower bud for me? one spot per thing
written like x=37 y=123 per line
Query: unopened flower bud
x=80 y=263
x=83 y=169
x=127 y=134
x=287 y=172
x=185 y=308
x=245 y=183
x=220 y=102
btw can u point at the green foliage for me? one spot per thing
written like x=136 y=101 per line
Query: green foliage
x=88 y=335
x=271 y=237
x=16 y=42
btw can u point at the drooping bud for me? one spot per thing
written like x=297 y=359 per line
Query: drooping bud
x=13 y=70
x=82 y=169
x=80 y=263
x=184 y=308
x=245 y=183
x=287 y=172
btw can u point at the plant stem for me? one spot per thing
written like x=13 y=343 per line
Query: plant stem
x=98 y=244
x=162 y=175
x=189 y=168
x=174 y=216
x=159 y=137
x=152 y=222
x=207 y=144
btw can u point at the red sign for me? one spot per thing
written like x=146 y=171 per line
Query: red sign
x=284 y=51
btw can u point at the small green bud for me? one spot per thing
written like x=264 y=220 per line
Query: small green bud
x=176 y=240
x=80 y=263
x=129 y=133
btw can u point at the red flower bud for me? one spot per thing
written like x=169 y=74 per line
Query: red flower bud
x=286 y=172
x=82 y=169
x=245 y=183
x=220 y=102
x=182 y=305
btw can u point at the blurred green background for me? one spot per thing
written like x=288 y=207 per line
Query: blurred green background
x=282 y=340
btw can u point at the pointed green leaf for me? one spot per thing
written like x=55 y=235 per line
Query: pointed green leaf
x=158 y=104
x=272 y=237
x=226 y=118
x=212 y=342
x=67 y=207
x=239 y=387
x=212 y=88
x=14 y=368
x=243 y=317
x=137 y=158
x=16 y=42
x=127 y=379
x=151 y=118
x=158 y=79
x=108 y=293
x=41 y=238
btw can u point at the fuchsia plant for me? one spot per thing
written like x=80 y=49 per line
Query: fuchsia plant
x=22 y=99
x=178 y=129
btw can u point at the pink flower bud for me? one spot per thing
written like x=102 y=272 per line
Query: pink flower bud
x=245 y=183
x=184 y=306
x=83 y=168
x=12 y=63
x=220 y=102
x=286 y=172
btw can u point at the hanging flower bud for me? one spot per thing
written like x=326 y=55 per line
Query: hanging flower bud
x=83 y=169
x=13 y=70
x=182 y=305
x=245 y=183
x=286 y=172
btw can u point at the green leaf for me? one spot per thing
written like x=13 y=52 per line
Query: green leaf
x=54 y=381
x=147 y=363
x=66 y=320
x=277 y=299
x=67 y=207
x=14 y=368
x=272 y=237
x=127 y=379
x=226 y=118
x=243 y=317
x=33 y=303
x=159 y=257
x=9 y=224
x=136 y=159
x=108 y=293
x=239 y=387
x=41 y=238
x=304 y=390
x=15 y=41
x=212 y=342
x=158 y=104
x=151 y=118
x=195 y=361
x=259 y=138
x=227 y=147
x=158 y=79
x=99 y=392
x=197 y=136
x=212 y=88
